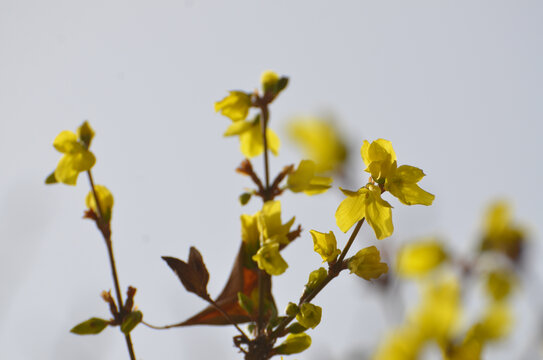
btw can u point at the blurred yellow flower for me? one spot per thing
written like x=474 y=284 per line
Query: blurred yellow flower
x=419 y=258
x=234 y=106
x=320 y=141
x=304 y=179
x=365 y=203
x=499 y=284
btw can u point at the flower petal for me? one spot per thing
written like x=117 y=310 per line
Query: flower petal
x=351 y=210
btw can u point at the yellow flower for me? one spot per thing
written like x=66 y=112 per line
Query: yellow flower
x=304 y=179
x=77 y=158
x=316 y=277
x=400 y=344
x=105 y=199
x=269 y=80
x=379 y=157
x=367 y=264
x=234 y=106
x=250 y=137
x=320 y=141
x=402 y=183
x=269 y=259
x=419 y=258
x=295 y=343
x=501 y=234
x=270 y=225
x=309 y=315
x=365 y=203
x=439 y=311
x=325 y=245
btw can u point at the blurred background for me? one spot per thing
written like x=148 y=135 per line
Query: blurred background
x=455 y=85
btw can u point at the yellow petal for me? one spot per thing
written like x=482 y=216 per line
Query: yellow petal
x=325 y=245
x=269 y=259
x=300 y=178
x=65 y=171
x=295 y=343
x=351 y=210
x=411 y=194
x=235 y=106
x=105 y=199
x=273 y=141
x=367 y=264
x=309 y=315
x=237 y=128
x=251 y=143
x=66 y=142
x=409 y=174
x=378 y=214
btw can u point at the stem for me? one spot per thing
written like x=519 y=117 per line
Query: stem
x=106 y=233
x=216 y=306
x=265 y=114
x=333 y=271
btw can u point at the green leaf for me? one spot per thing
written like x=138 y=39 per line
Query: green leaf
x=245 y=302
x=281 y=85
x=92 y=326
x=296 y=328
x=51 y=179
x=244 y=198
x=131 y=321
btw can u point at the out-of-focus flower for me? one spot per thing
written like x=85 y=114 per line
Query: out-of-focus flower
x=320 y=141
x=234 y=106
x=419 y=258
x=304 y=179
x=250 y=137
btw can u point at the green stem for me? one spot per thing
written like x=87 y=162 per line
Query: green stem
x=106 y=233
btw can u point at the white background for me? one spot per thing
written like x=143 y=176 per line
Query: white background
x=455 y=85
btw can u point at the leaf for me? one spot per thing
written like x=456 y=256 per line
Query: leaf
x=131 y=321
x=92 y=326
x=51 y=179
x=193 y=275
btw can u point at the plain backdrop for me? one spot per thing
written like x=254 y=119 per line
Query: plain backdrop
x=455 y=85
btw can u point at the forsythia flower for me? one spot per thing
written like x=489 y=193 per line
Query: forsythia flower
x=309 y=315
x=419 y=258
x=501 y=234
x=315 y=278
x=269 y=80
x=270 y=225
x=499 y=284
x=379 y=156
x=367 y=264
x=234 y=106
x=269 y=259
x=250 y=137
x=365 y=203
x=295 y=343
x=401 y=344
x=402 y=183
x=325 y=245
x=105 y=199
x=77 y=158
x=320 y=141
x=304 y=179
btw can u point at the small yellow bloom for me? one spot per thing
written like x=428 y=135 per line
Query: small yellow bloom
x=270 y=225
x=295 y=343
x=367 y=264
x=404 y=343
x=77 y=158
x=250 y=137
x=419 y=258
x=365 y=203
x=320 y=141
x=269 y=259
x=501 y=234
x=402 y=183
x=309 y=315
x=304 y=179
x=235 y=106
x=379 y=156
x=105 y=199
x=315 y=278
x=269 y=80
x=496 y=322
x=325 y=245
